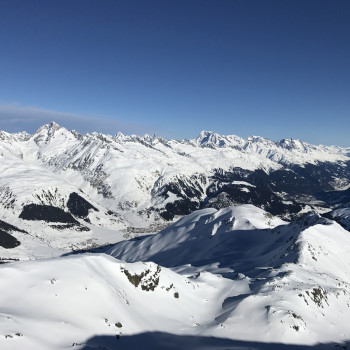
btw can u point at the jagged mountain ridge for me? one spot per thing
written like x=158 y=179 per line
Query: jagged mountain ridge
x=134 y=184
x=233 y=269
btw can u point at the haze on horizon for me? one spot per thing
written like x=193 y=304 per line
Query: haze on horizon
x=269 y=68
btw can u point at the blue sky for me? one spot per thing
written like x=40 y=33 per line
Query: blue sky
x=277 y=69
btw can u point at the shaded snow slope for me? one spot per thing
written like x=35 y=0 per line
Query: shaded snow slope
x=239 y=278
x=299 y=284
x=234 y=275
x=342 y=216
x=205 y=236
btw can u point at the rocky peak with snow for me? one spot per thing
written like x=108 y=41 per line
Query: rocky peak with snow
x=139 y=183
x=49 y=132
x=48 y=129
x=209 y=137
x=276 y=264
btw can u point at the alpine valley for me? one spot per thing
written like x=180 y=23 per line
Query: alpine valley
x=128 y=242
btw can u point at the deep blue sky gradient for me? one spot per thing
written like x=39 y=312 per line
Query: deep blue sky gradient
x=277 y=69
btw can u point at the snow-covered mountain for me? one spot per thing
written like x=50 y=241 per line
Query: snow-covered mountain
x=67 y=190
x=239 y=279
x=61 y=303
x=252 y=251
x=297 y=275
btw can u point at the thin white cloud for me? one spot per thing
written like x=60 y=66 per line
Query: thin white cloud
x=16 y=118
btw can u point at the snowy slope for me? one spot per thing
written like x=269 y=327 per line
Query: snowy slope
x=221 y=277
x=125 y=172
x=299 y=284
x=240 y=279
x=61 y=303
x=135 y=185
x=204 y=237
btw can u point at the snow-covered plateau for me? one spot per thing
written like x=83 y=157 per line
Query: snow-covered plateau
x=251 y=250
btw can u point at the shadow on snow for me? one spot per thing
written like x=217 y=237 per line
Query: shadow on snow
x=160 y=341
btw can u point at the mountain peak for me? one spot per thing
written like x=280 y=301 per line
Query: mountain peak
x=294 y=144
x=54 y=125
x=255 y=138
x=49 y=127
x=210 y=137
x=48 y=131
x=119 y=136
x=207 y=133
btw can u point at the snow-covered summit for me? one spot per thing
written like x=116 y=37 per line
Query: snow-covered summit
x=270 y=149
x=143 y=182
x=210 y=138
x=285 y=151
x=239 y=278
x=204 y=237
x=218 y=272
x=296 y=271
x=49 y=128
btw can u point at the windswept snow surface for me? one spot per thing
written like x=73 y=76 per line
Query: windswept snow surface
x=298 y=273
x=61 y=303
x=203 y=237
x=235 y=278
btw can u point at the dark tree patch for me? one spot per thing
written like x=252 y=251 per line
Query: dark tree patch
x=79 y=206
x=46 y=213
x=7 y=227
x=179 y=207
x=259 y=196
x=7 y=241
x=337 y=198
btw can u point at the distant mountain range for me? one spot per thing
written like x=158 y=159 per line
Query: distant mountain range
x=95 y=185
x=212 y=243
